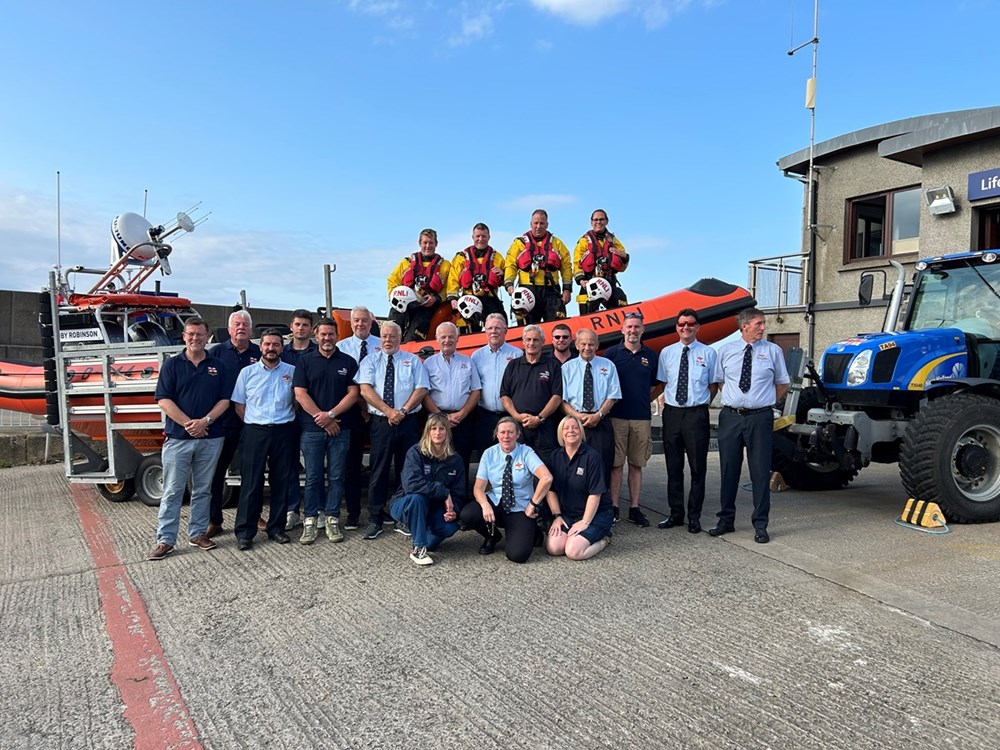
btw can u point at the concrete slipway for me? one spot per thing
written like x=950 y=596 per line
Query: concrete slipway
x=845 y=632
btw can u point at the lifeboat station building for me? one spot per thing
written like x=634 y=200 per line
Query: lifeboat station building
x=915 y=188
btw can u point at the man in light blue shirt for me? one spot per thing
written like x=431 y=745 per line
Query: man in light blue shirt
x=393 y=383
x=686 y=370
x=264 y=401
x=491 y=362
x=454 y=389
x=753 y=379
x=591 y=403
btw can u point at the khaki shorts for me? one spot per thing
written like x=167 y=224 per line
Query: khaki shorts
x=633 y=441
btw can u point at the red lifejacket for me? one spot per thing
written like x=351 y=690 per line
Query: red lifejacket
x=424 y=278
x=480 y=272
x=538 y=256
x=599 y=260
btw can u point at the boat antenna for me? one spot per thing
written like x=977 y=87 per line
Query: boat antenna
x=811 y=183
x=145 y=201
x=58 y=226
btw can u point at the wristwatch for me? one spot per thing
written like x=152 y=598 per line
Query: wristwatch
x=330 y=414
x=404 y=410
x=208 y=421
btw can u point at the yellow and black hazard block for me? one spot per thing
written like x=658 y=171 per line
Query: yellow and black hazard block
x=923 y=516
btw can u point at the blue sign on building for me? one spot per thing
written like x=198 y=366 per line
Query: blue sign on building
x=984 y=184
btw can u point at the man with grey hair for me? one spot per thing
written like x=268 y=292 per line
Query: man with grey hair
x=752 y=375
x=491 y=361
x=359 y=345
x=393 y=383
x=531 y=392
x=236 y=353
x=454 y=389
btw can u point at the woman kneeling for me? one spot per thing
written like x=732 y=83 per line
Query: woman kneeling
x=433 y=489
x=579 y=499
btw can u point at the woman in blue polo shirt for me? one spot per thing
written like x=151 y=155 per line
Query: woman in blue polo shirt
x=579 y=499
x=511 y=485
x=433 y=489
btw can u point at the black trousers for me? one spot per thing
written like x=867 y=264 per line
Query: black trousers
x=491 y=304
x=389 y=445
x=485 y=424
x=463 y=437
x=261 y=445
x=355 y=465
x=521 y=530
x=618 y=299
x=548 y=304
x=752 y=432
x=543 y=439
x=686 y=432
x=414 y=322
x=602 y=440
x=229 y=447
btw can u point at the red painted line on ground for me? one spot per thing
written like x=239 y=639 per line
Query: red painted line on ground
x=153 y=703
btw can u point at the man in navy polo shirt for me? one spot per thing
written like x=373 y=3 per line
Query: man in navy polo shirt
x=235 y=354
x=193 y=392
x=325 y=389
x=631 y=417
x=393 y=383
x=301 y=343
x=531 y=392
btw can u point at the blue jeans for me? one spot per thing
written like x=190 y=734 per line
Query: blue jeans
x=183 y=458
x=318 y=449
x=427 y=525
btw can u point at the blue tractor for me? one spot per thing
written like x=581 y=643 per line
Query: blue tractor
x=925 y=392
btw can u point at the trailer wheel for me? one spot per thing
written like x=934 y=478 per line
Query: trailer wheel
x=802 y=475
x=117 y=492
x=951 y=456
x=149 y=480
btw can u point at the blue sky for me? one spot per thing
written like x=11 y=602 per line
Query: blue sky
x=333 y=132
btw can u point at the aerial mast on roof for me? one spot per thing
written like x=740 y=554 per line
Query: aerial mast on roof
x=811 y=183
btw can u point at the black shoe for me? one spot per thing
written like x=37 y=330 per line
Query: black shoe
x=353 y=522
x=761 y=537
x=617 y=513
x=669 y=522
x=694 y=527
x=280 y=537
x=490 y=544
x=637 y=517
x=245 y=544
x=721 y=529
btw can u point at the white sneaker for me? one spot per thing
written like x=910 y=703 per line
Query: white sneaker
x=321 y=520
x=292 y=520
x=420 y=556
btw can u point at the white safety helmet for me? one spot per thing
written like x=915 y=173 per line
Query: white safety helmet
x=598 y=289
x=401 y=297
x=127 y=231
x=469 y=306
x=522 y=299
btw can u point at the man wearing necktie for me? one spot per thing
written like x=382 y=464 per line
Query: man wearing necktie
x=752 y=375
x=686 y=370
x=394 y=384
x=590 y=389
x=358 y=345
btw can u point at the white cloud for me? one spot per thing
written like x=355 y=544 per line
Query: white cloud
x=582 y=11
x=474 y=27
x=531 y=202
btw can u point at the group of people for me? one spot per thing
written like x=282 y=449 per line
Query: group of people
x=555 y=431
x=537 y=273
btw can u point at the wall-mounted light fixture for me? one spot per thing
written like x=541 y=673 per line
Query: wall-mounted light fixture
x=940 y=200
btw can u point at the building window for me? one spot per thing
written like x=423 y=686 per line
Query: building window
x=884 y=224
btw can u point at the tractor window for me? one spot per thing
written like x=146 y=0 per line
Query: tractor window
x=930 y=300
x=962 y=297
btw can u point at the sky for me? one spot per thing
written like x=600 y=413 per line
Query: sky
x=333 y=132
